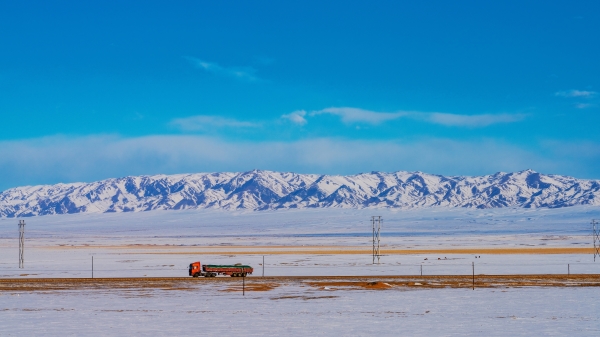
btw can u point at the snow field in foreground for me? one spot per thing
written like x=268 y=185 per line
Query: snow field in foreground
x=296 y=310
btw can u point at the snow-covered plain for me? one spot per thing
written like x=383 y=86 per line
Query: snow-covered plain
x=163 y=243
x=296 y=310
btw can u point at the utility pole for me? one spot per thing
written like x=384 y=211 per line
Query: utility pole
x=377 y=221
x=263 y=266
x=21 y=243
x=596 y=237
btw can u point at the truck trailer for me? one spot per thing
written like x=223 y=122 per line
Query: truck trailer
x=211 y=270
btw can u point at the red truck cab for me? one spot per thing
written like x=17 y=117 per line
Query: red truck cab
x=195 y=269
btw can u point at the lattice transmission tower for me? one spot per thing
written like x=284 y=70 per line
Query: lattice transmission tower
x=377 y=224
x=21 y=243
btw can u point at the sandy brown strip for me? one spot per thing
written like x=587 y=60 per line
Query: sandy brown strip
x=473 y=251
x=150 y=246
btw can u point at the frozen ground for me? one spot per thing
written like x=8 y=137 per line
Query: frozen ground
x=297 y=310
x=315 y=225
x=163 y=243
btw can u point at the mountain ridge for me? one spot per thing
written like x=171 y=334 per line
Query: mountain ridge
x=263 y=190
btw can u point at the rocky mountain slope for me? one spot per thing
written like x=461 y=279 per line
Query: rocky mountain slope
x=261 y=190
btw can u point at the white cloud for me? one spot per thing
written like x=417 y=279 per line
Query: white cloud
x=583 y=105
x=69 y=159
x=355 y=115
x=576 y=93
x=240 y=73
x=296 y=117
x=471 y=120
x=207 y=123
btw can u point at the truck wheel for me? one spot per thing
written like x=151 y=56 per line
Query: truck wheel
x=195 y=275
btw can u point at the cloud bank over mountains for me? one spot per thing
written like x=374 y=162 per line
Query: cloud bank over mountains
x=66 y=159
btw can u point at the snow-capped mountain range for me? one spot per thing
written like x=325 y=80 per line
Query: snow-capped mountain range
x=262 y=190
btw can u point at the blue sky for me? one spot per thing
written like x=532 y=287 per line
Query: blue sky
x=91 y=90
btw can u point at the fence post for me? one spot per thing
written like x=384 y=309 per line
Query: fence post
x=473 y=264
